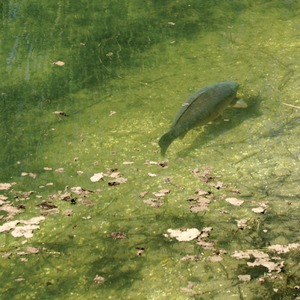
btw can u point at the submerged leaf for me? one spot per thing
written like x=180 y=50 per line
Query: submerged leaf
x=183 y=234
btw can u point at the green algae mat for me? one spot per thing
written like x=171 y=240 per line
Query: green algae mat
x=88 y=207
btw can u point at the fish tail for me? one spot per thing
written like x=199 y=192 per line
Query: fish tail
x=165 y=141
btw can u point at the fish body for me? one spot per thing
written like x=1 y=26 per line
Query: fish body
x=200 y=108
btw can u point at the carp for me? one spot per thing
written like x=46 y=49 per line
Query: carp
x=200 y=108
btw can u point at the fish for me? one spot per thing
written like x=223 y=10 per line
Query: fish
x=200 y=108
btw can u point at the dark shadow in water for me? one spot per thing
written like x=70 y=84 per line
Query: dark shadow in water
x=236 y=116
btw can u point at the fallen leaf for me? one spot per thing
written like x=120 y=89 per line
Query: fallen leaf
x=234 y=201
x=32 y=250
x=191 y=258
x=3 y=198
x=97 y=176
x=152 y=175
x=281 y=249
x=59 y=63
x=244 y=278
x=206 y=245
x=47 y=169
x=153 y=202
x=25 y=230
x=161 y=193
x=259 y=210
x=5 y=186
x=117 y=181
x=183 y=234
x=68 y=212
x=219 y=185
x=140 y=251
x=6 y=255
x=150 y=162
x=143 y=194
x=201 y=192
x=242 y=223
x=118 y=235
x=215 y=258
x=99 y=279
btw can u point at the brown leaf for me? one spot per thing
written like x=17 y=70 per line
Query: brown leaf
x=59 y=63
x=5 y=186
x=234 y=201
x=117 y=235
x=153 y=202
x=259 y=210
x=215 y=258
x=99 y=279
x=143 y=194
x=183 y=234
x=244 y=278
x=97 y=176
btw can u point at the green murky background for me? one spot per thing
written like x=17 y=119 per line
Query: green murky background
x=128 y=67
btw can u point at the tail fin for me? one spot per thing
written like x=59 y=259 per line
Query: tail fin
x=165 y=141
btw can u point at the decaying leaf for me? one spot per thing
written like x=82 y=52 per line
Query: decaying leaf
x=81 y=191
x=204 y=173
x=191 y=258
x=143 y=194
x=118 y=235
x=199 y=204
x=5 y=186
x=97 y=176
x=201 y=192
x=25 y=230
x=261 y=259
x=99 y=279
x=161 y=193
x=270 y=265
x=183 y=234
x=59 y=63
x=234 y=201
x=152 y=175
x=207 y=245
x=259 y=210
x=153 y=202
x=60 y=113
x=242 y=224
x=150 y=162
x=3 y=199
x=244 y=278
x=215 y=258
x=280 y=249
x=140 y=251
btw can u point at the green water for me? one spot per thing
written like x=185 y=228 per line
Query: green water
x=128 y=66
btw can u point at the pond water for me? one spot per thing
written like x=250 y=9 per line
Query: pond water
x=88 y=88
